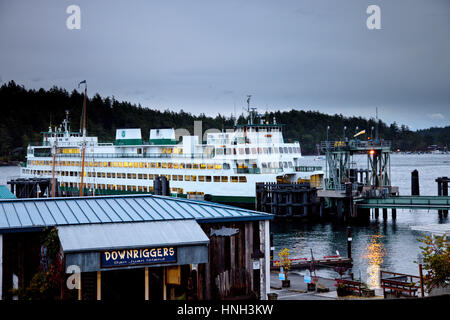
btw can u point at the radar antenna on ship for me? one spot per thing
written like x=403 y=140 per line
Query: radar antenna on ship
x=66 y=122
x=250 y=118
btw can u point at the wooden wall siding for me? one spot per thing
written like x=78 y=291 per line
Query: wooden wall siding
x=89 y=285
x=262 y=261
x=21 y=253
x=200 y=282
x=7 y=268
x=254 y=257
x=230 y=266
x=248 y=250
x=233 y=283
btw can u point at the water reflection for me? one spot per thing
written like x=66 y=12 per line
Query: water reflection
x=375 y=252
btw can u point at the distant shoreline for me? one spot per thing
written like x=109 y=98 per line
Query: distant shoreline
x=9 y=163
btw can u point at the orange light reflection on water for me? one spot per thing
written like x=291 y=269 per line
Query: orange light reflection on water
x=375 y=252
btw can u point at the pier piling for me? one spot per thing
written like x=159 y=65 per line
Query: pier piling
x=272 y=248
x=415 y=191
x=442 y=185
x=321 y=209
x=385 y=214
x=296 y=200
x=157 y=186
x=349 y=242
x=364 y=214
x=28 y=188
x=339 y=208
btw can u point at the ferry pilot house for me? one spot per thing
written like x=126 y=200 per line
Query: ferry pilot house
x=132 y=247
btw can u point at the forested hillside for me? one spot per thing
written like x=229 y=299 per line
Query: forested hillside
x=26 y=113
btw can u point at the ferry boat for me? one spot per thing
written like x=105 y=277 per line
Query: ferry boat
x=224 y=168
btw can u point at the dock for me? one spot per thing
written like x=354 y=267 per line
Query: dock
x=31 y=187
x=287 y=200
x=353 y=192
x=349 y=192
x=325 y=262
x=406 y=202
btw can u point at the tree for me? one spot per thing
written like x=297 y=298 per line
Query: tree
x=27 y=112
x=436 y=260
x=47 y=283
x=428 y=139
x=394 y=130
x=284 y=262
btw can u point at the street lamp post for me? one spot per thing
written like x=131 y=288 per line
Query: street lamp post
x=420 y=261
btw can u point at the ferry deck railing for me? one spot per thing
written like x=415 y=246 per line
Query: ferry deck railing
x=355 y=144
x=307 y=168
x=130 y=155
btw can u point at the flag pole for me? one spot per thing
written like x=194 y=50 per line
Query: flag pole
x=84 y=137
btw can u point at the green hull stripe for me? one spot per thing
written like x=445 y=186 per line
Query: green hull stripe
x=225 y=199
x=128 y=142
x=235 y=199
x=162 y=141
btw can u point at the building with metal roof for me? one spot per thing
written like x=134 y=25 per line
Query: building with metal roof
x=108 y=238
x=49 y=212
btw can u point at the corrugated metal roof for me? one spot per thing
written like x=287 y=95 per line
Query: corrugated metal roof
x=95 y=237
x=6 y=194
x=46 y=212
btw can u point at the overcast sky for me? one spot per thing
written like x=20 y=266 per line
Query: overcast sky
x=207 y=55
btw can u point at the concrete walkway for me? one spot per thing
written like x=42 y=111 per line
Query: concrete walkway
x=298 y=289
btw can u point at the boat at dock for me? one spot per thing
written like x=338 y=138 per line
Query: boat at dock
x=224 y=168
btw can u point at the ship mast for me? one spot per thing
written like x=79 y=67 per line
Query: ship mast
x=54 y=167
x=84 y=136
x=250 y=120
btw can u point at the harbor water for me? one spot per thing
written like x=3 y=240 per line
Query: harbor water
x=387 y=245
x=390 y=245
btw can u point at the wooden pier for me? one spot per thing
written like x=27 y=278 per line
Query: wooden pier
x=296 y=200
x=406 y=202
x=31 y=188
x=442 y=184
x=352 y=203
x=325 y=262
x=440 y=203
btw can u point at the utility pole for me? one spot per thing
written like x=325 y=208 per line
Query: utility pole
x=53 y=167
x=420 y=261
x=84 y=137
x=349 y=242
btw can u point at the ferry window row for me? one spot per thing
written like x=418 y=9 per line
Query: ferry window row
x=100 y=186
x=120 y=164
x=256 y=150
x=142 y=176
x=276 y=165
x=172 y=150
x=67 y=151
x=164 y=150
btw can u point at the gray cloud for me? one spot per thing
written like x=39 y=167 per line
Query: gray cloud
x=206 y=56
